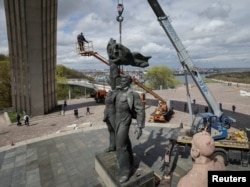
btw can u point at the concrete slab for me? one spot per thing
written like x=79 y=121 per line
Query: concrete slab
x=106 y=167
x=67 y=158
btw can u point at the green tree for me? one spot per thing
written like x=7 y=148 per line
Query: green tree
x=71 y=73
x=5 y=84
x=62 y=86
x=160 y=76
x=62 y=74
x=4 y=57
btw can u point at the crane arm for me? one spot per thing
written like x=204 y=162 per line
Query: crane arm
x=148 y=90
x=137 y=82
x=184 y=57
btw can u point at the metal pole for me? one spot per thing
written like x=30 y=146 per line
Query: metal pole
x=69 y=94
x=120 y=27
x=188 y=98
x=120 y=23
x=119 y=18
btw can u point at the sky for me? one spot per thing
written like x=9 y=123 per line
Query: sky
x=216 y=33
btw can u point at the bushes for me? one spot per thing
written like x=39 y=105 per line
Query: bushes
x=12 y=117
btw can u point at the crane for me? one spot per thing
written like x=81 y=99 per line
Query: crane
x=218 y=123
x=228 y=145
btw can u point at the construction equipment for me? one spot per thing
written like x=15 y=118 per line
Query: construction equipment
x=100 y=96
x=161 y=114
x=234 y=148
x=228 y=145
x=221 y=122
x=88 y=49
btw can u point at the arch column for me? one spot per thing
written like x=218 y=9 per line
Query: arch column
x=32 y=32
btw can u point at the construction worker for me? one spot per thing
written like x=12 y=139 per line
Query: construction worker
x=81 y=39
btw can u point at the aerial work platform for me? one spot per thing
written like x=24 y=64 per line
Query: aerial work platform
x=88 y=49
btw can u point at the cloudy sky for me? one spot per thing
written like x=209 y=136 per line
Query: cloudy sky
x=216 y=33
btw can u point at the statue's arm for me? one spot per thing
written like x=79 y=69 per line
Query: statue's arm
x=139 y=110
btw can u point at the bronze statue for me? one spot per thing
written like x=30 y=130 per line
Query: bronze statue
x=109 y=118
x=122 y=105
x=120 y=55
x=128 y=105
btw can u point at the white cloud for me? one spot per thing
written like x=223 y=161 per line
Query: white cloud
x=217 y=10
x=209 y=26
x=154 y=48
x=215 y=32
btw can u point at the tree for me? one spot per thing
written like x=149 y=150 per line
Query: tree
x=4 y=57
x=62 y=86
x=68 y=73
x=62 y=74
x=5 y=84
x=160 y=77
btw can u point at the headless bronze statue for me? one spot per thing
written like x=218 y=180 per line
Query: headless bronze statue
x=122 y=105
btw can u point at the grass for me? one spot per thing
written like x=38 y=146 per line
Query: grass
x=12 y=117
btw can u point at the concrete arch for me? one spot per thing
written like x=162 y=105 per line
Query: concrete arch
x=32 y=33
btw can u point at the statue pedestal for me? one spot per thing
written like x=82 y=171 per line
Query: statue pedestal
x=106 y=167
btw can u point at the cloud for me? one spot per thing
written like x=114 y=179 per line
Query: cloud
x=209 y=26
x=215 y=33
x=217 y=10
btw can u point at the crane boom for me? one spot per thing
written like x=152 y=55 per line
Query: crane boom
x=184 y=57
x=135 y=81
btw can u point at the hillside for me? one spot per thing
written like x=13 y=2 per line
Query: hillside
x=239 y=77
x=71 y=73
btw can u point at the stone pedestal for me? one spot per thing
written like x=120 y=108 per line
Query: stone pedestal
x=106 y=167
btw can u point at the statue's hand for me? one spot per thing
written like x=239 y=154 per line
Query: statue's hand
x=138 y=130
x=105 y=119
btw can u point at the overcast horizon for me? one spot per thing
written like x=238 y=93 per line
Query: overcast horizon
x=215 y=33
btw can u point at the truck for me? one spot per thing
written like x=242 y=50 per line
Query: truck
x=229 y=145
x=100 y=96
x=235 y=148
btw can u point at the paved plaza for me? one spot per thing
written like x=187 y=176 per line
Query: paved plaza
x=59 y=150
